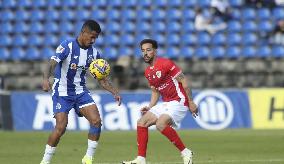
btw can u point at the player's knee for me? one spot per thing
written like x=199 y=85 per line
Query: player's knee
x=141 y=122
x=160 y=126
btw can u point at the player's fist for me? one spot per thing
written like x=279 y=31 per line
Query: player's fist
x=193 y=108
x=45 y=85
x=144 y=110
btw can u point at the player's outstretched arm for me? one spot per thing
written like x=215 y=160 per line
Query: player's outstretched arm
x=154 y=99
x=47 y=73
x=192 y=106
x=107 y=85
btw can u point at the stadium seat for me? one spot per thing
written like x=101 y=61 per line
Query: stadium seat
x=66 y=26
x=248 y=13
x=21 y=15
x=234 y=26
x=100 y=3
x=8 y=3
x=62 y=37
x=202 y=52
x=173 y=39
x=115 y=3
x=98 y=14
x=159 y=26
x=51 y=27
x=249 y=52
x=249 y=26
x=234 y=39
x=278 y=51
x=66 y=14
x=113 y=14
x=5 y=40
x=174 y=14
x=125 y=51
x=46 y=53
x=110 y=53
x=35 y=27
x=127 y=39
x=34 y=40
x=112 y=40
x=129 y=3
x=84 y=3
x=36 y=15
x=160 y=38
x=113 y=27
x=174 y=26
x=143 y=26
x=278 y=13
x=218 y=39
x=4 y=54
x=175 y=3
x=189 y=39
x=265 y=26
x=217 y=52
x=51 y=15
x=188 y=14
x=69 y=3
x=188 y=27
x=143 y=14
x=50 y=40
x=190 y=4
x=17 y=54
x=158 y=14
x=128 y=27
x=32 y=54
x=172 y=52
x=160 y=3
x=204 y=3
x=20 y=27
x=249 y=39
x=38 y=3
x=236 y=3
x=263 y=13
x=145 y=3
x=236 y=14
x=233 y=52
x=203 y=38
x=19 y=40
x=128 y=14
x=53 y=3
x=187 y=52
x=5 y=28
x=263 y=52
x=6 y=15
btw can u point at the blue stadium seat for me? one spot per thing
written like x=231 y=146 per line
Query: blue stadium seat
x=234 y=26
x=188 y=14
x=69 y=3
x=173 y=39
x=160 y=3
x=204 y=3
x=113 y=27
x=100 y=41
x=160 y=38
x=159 y=26
x=46 y=53
x=128 y=27
x=113 y=14
x=236 y=14
x=112 y=40
x=127 y=39
x=100 y=3
x=4 y=54
x=188 y=27
x=218 y=39
x=143 y=14
x=115 y=3
x=39 y=3
x=5 y=28
x=139 y=37
x=21 y=15
x=19 y=40
x=34 y=40
x=62 y=37
x=32 y=54
x=125 y=51
x=20 y=27
x=159 y=14
x=234 y=39
x=36 y=15
x=84 y=3
x=5 y=40
x=173 y=26
x=98 y=14
x=53 y=3
x=233 y=52
x=191 y=3
x=217 y=52
x=128 y=14
x=263 y=13
x=17 y=54
x=50 y=40
x=203 y=38
x=248 y=13
x=175 y=3
x=66 y=14
x=249 y=39
x=278 y=51
x=187 y=52
x=263 y=52
x=51 y=27
x=6 y=15
x=172 y=52
x=143 y=26
x=189 y=39
x=35 y=27
x=66 y=26
x=8 y=3
x=110 y=53
x=51 y=15
x=145 y=3
x=236 y=3
x=129 y=3
x=174 y=14
x=278 y=13
x=249 y=52
x=202 y=52
x=265 y=26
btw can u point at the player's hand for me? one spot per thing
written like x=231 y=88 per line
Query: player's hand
x=45 y=85
x=193 y=108
x=117 y=98
x=144 y=110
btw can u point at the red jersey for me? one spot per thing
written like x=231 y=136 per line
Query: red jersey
x=162 y=76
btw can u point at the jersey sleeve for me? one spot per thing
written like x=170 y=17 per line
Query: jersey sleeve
x=172 y=68
x=62 y=52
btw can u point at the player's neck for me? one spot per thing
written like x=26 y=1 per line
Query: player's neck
x=80 y=43
x=153 y=61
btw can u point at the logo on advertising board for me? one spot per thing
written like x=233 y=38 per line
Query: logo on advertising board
x=215 y=110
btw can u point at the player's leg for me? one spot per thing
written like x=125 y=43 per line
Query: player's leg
x=143 y=123
x=54 y=138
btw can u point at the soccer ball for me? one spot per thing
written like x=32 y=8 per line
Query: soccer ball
x=99 y=69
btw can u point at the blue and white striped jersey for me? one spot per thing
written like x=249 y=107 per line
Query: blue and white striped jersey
x=73 y=63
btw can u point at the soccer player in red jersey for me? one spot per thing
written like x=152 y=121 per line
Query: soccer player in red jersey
x=166 y=79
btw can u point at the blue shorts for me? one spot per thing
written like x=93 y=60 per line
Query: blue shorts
x=66 y=103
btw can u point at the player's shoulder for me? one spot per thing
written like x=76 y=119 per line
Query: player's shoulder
x=65 y=42
x=163 y=59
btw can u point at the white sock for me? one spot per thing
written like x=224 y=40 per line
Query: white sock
x=185 y=152
x=92 y=146
x=48 y=153
x=141 y=158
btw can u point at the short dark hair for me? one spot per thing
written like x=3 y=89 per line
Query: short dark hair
x=151 y=41
x=91 y=25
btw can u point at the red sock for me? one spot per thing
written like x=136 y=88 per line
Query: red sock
x=142 y=140
x=172 y=135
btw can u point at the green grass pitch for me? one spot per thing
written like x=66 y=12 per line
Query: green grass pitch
x=240 y=146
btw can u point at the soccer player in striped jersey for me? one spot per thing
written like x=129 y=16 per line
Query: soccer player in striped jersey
x=166 y=79
x=69 y=67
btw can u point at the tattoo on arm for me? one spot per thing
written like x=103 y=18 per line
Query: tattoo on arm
x=181 y=78
x=49 y=69
x=106 y=84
